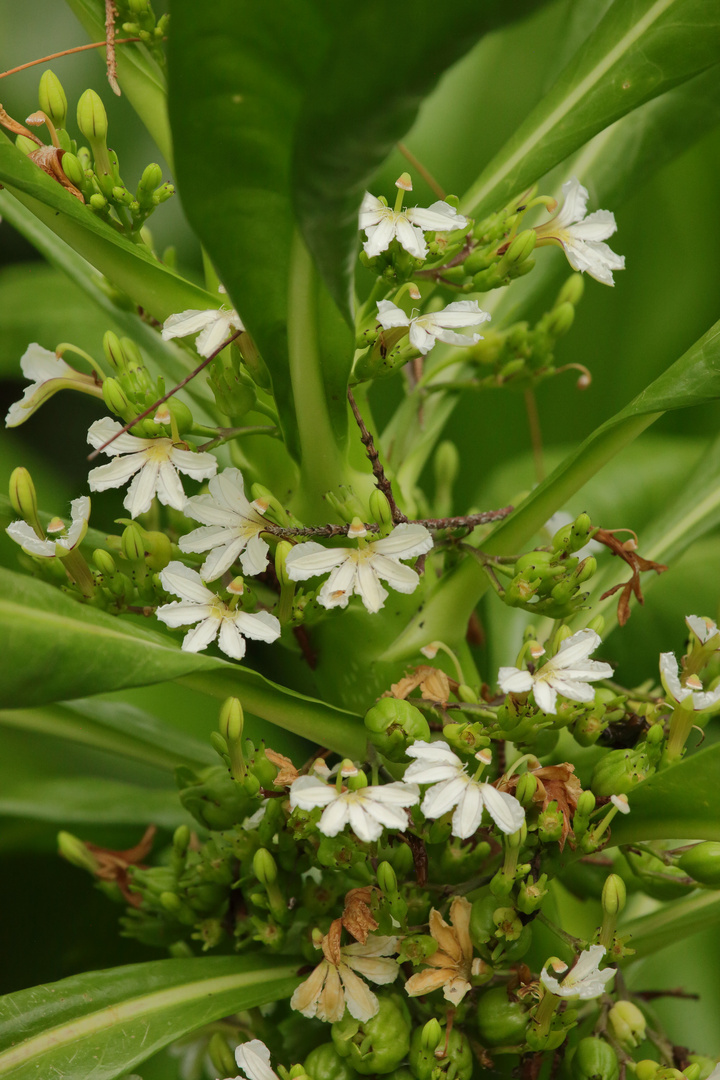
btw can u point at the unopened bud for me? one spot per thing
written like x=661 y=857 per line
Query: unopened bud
x=115 y=398
x=231 y=719
x=614 y=895
x=432 y=1035
x=520 y=249
x=221 y=1055
x=586 y=804
x=52 y=99
x=572 y=290
x=26 y=146
x=627 y=1024
x=264 y=867
x=281 y=553
x=380 y=508
x=158 y=550
x=104 y=562
x=150 y=179
x=132 y=543
x=73 y=849
x=181 y=839
x=386 y=879
x=24 y=498
x=526 y=788
x=92 y=118
x=597 y=624
x=113 y=350
x=560 y=320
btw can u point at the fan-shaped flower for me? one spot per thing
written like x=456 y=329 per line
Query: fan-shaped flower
x=567 y=673
x=382 y=224
x=155 y=461
x=359 y=570
x=425 y=330
x=232 y=528
x=365 y=809
x=64 y=538
x=253 y=1058
x=703 y=629
x=215 y=619
x=334 y=984
x=692 y=693
x=213 y=327
x=453 y=786
x=585 y=981
x=452 y=965
x=48 y=374
x=581 y=235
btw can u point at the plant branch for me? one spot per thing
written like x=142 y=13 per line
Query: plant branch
x=381 y=481
x=66 y=52
x=110 y=58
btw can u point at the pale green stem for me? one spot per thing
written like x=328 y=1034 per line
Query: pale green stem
x=65 y=346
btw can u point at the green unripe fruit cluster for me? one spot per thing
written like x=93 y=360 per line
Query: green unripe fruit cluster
x=456 y=1064
x=376 y=1045
x=392 y=725
x=500 y=1021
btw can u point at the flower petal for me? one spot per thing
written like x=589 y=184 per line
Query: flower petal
x=359 y=998
x=140 y=493
x=406 y=541
x=204 y=633
x=310 y=559
x=504 y=809
x=468 y=814
x=186 y=583
x=261 y=626
x=368 y=587
x=230 y=640
x=512 y=680
x=254 y=1059
x=307 y=792
x=102 y=430
x=443 y=796
x=181 y=613
x=390 y=315
x=439 y=217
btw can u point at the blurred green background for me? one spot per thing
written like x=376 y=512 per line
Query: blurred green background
x=669 y=231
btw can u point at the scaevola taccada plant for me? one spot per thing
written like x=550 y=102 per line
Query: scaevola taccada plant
x=386 y=891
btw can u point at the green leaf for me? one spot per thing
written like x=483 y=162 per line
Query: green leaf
x=365 y=96
x=637 y=52
x=57 y=648
x=106 y=1022
x=681 y=802
x=139 y=76
x=673 y=922
x=116 y=727
x=691 y=380
x=128 y=266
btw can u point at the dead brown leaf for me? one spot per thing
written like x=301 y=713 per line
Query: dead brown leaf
x=357 y=917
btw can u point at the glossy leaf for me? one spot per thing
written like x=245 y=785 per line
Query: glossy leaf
x=691 y=380
x=129 y=267
x=139 y=76
x=364 y=97
x=57 y=648
x=104 y=1023
x=115 y=727
x=681 y=802
x=672 y=923
x=637 y=52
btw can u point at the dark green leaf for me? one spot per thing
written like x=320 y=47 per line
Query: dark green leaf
x=56 y=648
x=672 y=923
x=104 y=1023
x=637 y=52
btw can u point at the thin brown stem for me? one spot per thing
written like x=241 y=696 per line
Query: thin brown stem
x=434 y=524
x=381 y=481
x=110 y=57
x=65 y=52
x=535 y=433
x=420 y=168
x=169 y=394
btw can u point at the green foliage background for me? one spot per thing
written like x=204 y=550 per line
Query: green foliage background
x=669 y=230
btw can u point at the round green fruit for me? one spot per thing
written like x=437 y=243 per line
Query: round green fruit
x=500 y=1021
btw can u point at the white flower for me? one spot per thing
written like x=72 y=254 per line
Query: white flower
x=156 y=462
x=703 y=629
x=692 y=692
x=25 y=535
x=365 y=809
x=333 y=984
x=232 y=528
x=215 y=324
x=48 y=374
x=358 y=570
x=436 y=764
x=383 y=224
x=585 y=981
x=199 y=605
x=580 y=236
x=254 y=1059
x=425 y=330
x=567 y=673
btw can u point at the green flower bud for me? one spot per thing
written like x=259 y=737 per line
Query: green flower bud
x=23 y=498
x=500 y=1021
x=214 y=798
x=73 y=849
x=597 y=624
x=324 y=1063
x=25 y=146
x=595 y=1060
x=181 y=840
x=376 y=1045
x=221 y=1055
x=537 y=565
x=104 y=562
x=627 y=1024
x=73 y=169
x=92 y=118
x=115 y=398
x=588 y=729
x=526 y=788
x=614 y=895
x=586 y=804
x=646 y=1069
x=150 y=179
x=702 y=863
x=705 y=1064
x=97 y=201
x=392 y=725
x=133 y=543
x=431 y=1035
x=572 y=290
x=467 y=694
x=51 y=97
x=359 y=780
x=520 y=249
x=231 y=719
x=281 y=553
x=158 y=550
x=380 y=509
x=114 y=353
x=264 y=867
x=387 y=879
x=456 y=1064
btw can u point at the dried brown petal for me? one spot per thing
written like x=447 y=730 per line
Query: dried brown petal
x=114 y=865
x=287 y=772
x=357 y=917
